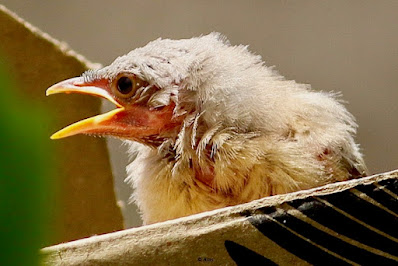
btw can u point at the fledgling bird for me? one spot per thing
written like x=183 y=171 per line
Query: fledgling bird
x=212 y=126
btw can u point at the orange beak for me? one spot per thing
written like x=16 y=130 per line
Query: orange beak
x=134 y=122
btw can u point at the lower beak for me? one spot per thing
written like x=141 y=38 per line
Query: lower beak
x=96 y=125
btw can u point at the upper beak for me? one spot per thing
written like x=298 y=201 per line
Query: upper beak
x=100 y=124
x=79 y=85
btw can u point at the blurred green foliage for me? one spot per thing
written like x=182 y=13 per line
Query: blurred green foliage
x=25 y=187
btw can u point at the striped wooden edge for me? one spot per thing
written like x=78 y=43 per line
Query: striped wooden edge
x=353 y=222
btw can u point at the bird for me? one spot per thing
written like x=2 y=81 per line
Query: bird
x=210 y=125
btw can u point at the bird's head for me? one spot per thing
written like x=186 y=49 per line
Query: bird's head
x=136 y=117
x=163 y=86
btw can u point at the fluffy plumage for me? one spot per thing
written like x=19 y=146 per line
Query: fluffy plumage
x=245 y=131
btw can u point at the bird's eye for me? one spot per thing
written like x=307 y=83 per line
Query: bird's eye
x=125 y=86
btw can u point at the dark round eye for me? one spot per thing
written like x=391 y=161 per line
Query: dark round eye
x=125 y=85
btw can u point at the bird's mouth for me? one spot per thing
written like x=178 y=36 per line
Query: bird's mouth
x=99 y=124
x=127 y=121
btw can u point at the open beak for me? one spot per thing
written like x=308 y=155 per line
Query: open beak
x=103 y=124
x=127 y=121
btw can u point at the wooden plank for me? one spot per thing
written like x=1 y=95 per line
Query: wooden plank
x=351 y=222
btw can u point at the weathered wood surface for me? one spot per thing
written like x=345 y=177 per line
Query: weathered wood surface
x=352 y=222
x=86 y=202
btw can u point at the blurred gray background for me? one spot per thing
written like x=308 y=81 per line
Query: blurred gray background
x=348 y=46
